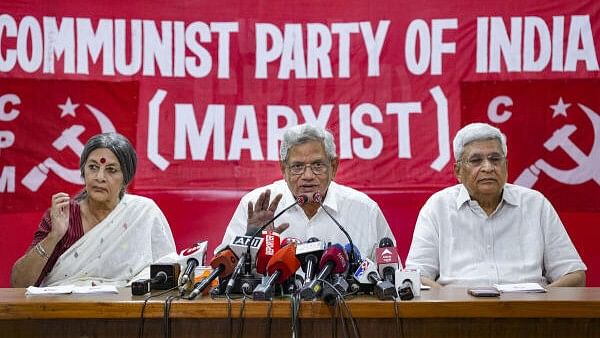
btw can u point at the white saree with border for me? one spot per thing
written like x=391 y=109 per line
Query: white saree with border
x=117 y=250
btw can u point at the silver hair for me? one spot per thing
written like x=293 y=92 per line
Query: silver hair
x=303 y=133
x=123 y=150
x=477 y=132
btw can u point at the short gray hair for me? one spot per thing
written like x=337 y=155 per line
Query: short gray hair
x=120 y=146
x=303 y=133
x=476 y=132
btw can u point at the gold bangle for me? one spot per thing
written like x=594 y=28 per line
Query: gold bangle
x=40 y=251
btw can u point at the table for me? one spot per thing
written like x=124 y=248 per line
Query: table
x=447 y=312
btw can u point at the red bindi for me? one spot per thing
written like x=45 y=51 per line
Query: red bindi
x=102 y=160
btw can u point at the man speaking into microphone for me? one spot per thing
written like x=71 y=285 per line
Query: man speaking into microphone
x=308 y=163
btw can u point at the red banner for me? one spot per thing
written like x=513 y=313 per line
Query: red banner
x=205 y=89
x=553 y=132
x=49 y=123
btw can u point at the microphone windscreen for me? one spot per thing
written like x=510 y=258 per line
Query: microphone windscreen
x=301 y=199
x=290 y=240
x=270 y=245
x=336 y=255
x=194 y=253
x=355 y=252
x=285 y=261
x=386 y=259
x=227 y=259
x=386 y=242
x=317 y=197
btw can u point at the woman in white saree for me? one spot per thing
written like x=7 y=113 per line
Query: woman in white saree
x=102 y=235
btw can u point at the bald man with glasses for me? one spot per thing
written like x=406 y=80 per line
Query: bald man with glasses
x=484 y=231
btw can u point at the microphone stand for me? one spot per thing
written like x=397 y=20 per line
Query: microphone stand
x=248 y=264
x=318 y=198
x=247 y=280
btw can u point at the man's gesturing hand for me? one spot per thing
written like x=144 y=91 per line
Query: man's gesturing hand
x=262 y=211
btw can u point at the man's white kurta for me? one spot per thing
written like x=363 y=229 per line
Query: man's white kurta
x=524 y=240
x=355 y=211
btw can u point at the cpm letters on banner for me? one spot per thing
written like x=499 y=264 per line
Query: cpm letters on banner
x=8 y=112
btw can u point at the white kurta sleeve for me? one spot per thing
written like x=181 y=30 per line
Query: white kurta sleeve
x=424 y=249
x=560 y=255
x=237 y=225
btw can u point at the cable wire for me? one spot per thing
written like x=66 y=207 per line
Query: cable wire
x=334 y=322
x=142 y=319
x=352 y=320
x=399 y=320
x=229 y=318
x=341 y=316
x=167 y=319
x=242 y=321
x=340 y=300
x=295 y=304
x=269 y=318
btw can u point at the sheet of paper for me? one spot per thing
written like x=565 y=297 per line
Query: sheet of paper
x=49 y=290
x=520 y=287
x=95 y=289
x=66 y=289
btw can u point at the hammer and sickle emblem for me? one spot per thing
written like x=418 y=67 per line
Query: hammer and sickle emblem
x=587 y=168
x=69 y=138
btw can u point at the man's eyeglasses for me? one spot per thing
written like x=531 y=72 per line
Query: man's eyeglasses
x=318 y=168
x=476 y=161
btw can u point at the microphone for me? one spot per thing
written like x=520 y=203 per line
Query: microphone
x=290 y=240
x=170 y=272
x=192 y=258
x=334 y=260
x=161 y=277
x=140 y=287
x=239 y=246
x=355 y=251
x=337 y=287
x=367 y=274
x=318 y=198
x=300 y=200
x=223 y=264
x=408 y=283
x=405 y=291
x=271 y=244
x=387 y=260
x=234 y=275
x=340 y=284
x=352 y=251
x=309 y=254
x=292 y=285
x=281 y=266
x=143 y=286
